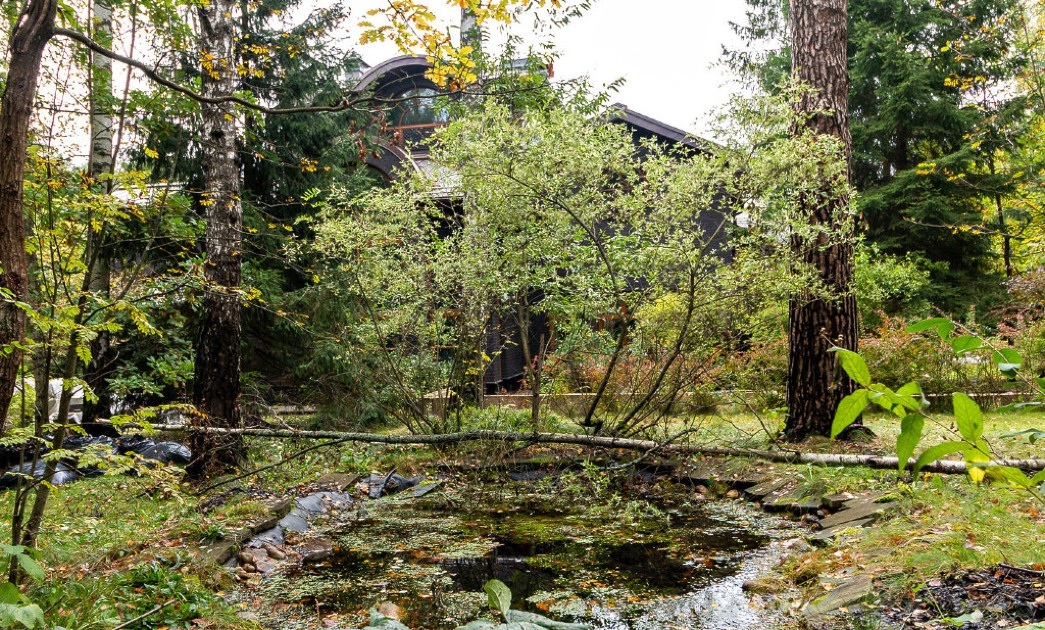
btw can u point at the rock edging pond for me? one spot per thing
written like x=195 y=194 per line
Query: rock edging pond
x=633 y=556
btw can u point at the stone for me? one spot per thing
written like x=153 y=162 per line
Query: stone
x=272 y=537
x=854 y=511
x=281 y=508
x=339 y=500
x=835 y=501
x=216 y=553
x=764 y=489
x=315 y=550
x=422 y=490
x=245 y=558
x=294 y=522
x=313 y=504
x=826 y=535
x=788 y=502
x=266 y=565
x=851 y=592
x=260 y=560
x=796 y=546
x=767 y=585
x=274 y=552
x=338 y=481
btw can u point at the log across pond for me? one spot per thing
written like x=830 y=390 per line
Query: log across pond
x=598 y=441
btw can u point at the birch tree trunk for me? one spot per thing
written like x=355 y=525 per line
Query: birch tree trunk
x=216 y=390
x=34 y=29
x=99 y=170
x=815 y=385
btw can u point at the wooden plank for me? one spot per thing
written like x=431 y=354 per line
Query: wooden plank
x=760 y=491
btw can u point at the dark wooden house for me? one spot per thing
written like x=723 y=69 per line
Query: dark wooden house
x=412 y=116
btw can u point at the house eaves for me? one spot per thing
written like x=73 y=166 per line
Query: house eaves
x=620 y=113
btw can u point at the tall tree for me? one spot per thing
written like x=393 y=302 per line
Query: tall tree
x=217 y=380
x=32 y=31
x=931 y=103
x=285 y=156
x=100 y=172
x=829 y=318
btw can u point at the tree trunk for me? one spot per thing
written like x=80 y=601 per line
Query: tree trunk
x=216 y=389
x=815 y=385
x=99 y=170
x=33 y=30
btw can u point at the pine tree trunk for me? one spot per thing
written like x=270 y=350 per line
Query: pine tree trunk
x=99 y=169
x=31 y=33
x=216 y=391
x=815 y=385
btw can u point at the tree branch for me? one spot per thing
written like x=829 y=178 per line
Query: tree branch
x=254 y=471
x=151 y=73
x=951 y=467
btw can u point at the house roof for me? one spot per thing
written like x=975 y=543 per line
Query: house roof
x=398 y=72
x=620 y=113
x=393 y=69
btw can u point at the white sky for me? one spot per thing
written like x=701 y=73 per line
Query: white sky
x=664 y=49
x=667 y=51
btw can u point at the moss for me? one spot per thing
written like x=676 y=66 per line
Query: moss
x=432 y=559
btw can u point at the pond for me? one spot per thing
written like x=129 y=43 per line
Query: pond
x=617 y=559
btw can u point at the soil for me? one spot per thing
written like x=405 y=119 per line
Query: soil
x=1004 y=597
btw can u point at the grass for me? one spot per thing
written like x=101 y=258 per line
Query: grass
x=117 y=546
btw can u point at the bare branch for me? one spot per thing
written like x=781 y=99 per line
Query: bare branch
x=944 y=466
x=347 y=104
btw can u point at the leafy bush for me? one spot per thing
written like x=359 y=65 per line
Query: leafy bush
x=896 y=354
x=889 y=286
x=759 y=373
x=157 y=583
x=909 y=405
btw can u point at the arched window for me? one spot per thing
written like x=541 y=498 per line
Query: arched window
x=417 y=106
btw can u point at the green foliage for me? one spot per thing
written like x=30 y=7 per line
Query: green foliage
x=426 y=274
x=17 y=610
x=889 y=286
x=153 y=237
x=158 y=582
x=381 y=622
x=499 y=595
x=909 y=405
x=935 y=126
x=554 y=215
x=896 y=354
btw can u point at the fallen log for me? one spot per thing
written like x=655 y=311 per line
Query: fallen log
x=952 y=467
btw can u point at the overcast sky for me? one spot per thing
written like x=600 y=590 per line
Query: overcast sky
x=664 y=49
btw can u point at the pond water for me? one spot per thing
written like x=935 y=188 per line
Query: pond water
x=617 y=564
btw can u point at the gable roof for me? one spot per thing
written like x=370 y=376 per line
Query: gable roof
x=620 y=113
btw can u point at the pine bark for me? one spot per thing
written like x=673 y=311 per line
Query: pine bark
x=815 y=385
x=34 y=29
x=217 y=373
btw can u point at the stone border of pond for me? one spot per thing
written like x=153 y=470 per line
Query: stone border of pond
x=260 y=547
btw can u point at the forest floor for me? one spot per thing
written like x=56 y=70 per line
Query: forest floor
x=946 y=552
